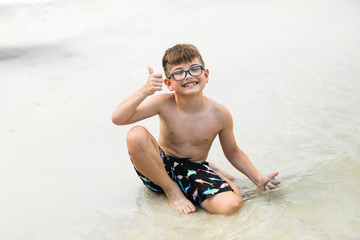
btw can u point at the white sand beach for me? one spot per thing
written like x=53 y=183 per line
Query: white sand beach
x=287 y=70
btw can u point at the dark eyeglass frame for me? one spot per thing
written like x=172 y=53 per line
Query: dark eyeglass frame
x=186 y=72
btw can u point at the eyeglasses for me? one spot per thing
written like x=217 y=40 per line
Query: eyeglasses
x=181 y=75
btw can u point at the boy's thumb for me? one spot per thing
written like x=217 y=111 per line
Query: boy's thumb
x=150 y=69
x=274 y=174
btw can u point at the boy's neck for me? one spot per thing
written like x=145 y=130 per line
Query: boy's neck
x=193 y=103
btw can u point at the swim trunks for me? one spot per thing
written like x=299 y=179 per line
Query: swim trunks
x=196 y=180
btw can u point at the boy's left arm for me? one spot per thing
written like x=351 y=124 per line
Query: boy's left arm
x=241 y=161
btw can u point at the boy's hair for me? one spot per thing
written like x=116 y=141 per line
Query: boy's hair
x=180 y=53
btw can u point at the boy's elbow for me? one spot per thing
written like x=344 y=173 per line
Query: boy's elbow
x=115 y=120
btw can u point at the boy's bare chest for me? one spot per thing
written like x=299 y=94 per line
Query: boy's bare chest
x=191 y=129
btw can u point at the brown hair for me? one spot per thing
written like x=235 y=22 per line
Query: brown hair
x=180 y=53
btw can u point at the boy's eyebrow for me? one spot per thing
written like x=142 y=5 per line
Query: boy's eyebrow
x=178 y=68
x=182 y=68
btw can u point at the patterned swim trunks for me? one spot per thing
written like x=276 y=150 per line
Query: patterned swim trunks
x=196 y=180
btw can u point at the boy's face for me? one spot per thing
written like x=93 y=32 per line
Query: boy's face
x=187 y=78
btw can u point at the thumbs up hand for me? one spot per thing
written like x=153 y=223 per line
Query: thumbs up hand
x=154 y=82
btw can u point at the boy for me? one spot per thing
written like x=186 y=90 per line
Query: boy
x=189 y=122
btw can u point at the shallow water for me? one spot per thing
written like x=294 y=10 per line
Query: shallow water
x=288 y=72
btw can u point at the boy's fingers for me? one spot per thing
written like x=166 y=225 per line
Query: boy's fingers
x=269 y=185
x=272 y=182
x=150 y=69
x=275 y=181
x=157 y=75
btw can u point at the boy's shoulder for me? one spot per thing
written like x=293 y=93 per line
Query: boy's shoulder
x=216 y=106
x=163 y=97
x=161 y=101
x=223 y=112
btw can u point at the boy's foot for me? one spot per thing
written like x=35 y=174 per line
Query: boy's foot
x=179 y=202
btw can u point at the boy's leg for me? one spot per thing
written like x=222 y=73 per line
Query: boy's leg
x=221 y=172
x=144 y=152
x=225 y=202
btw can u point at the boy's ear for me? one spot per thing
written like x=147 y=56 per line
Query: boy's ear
x=206 y=74
x=167 y=82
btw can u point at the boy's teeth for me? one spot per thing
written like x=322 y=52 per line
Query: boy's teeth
x=190 y=84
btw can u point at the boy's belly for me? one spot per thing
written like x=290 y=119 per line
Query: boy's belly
x=196 y=153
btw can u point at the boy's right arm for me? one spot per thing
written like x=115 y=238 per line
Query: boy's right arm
x=131 y=110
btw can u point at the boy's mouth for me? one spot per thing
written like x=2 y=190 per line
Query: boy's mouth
x=190 y=84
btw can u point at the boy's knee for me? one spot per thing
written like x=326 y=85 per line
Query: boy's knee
x=136 y=135
x=230 y=205
x=224 y=203
x=138 y=138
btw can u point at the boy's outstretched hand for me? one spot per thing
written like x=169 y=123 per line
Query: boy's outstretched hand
x=269 y=182
x=154 y=82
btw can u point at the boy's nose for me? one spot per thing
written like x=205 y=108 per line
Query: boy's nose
x=188 y=76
